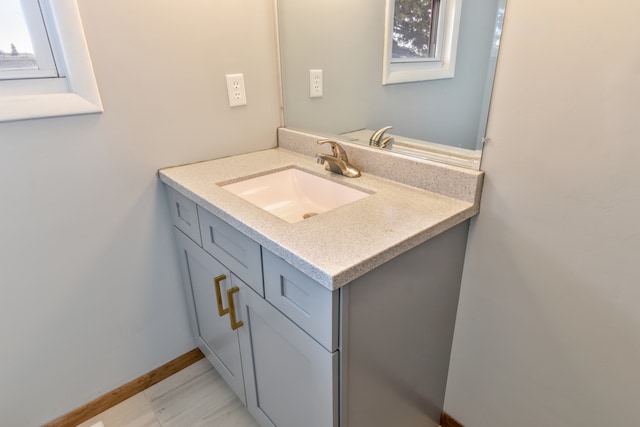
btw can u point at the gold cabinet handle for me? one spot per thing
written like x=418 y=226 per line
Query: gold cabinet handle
x=232 y=309
x=216 y=282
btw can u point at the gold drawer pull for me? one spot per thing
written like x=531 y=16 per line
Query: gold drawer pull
x=216 y=282
x=232 y=309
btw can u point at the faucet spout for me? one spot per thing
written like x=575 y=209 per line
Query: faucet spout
x=338 y=166
x=337 y=161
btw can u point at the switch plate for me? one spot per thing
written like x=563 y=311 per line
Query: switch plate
x=236 y=90
x=315 y=83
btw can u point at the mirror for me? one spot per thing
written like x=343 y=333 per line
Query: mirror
x=443 y=119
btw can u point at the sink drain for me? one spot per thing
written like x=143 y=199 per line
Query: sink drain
x=309 y=215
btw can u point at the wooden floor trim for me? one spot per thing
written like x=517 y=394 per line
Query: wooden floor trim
x=447 y=420
x=126 y=391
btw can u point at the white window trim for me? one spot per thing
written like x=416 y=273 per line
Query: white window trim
x=76 y=92
x=424 y=70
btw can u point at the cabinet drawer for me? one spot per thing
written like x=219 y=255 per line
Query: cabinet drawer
x=236 y=251
x=184 y=214
x=310 y=305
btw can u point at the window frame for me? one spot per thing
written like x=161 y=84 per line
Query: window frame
x=440 y=67
x=74 y=90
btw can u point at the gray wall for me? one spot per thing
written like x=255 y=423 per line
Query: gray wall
x=346 y=39
x=548 y=328
x=89 y=279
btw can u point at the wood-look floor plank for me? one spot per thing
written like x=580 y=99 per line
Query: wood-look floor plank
x=178 y=379
x=204 y=400
x=133 y=412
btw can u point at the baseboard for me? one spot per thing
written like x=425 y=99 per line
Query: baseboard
x=126 y=391
x=447 y=420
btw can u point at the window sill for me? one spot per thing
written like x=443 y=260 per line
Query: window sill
x=24 y=107
x=393 y=75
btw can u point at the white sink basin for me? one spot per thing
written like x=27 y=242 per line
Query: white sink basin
x=293 y=194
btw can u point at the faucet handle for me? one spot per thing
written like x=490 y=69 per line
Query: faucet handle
x=387 y=143
x=336 y=148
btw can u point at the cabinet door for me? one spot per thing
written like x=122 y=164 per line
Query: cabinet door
x=212 y=332
x=290 y=379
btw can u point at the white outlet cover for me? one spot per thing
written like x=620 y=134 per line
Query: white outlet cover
x=315 y=84
x=236 y=90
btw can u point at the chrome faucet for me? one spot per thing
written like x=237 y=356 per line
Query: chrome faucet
x=337 y=162
x=378 y=140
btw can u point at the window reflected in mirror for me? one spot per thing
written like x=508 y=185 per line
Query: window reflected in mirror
x=421 y=39
x=415 y=30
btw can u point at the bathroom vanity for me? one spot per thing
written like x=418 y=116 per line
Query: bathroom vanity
x=344 y=318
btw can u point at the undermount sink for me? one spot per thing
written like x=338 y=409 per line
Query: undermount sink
x=293 y=194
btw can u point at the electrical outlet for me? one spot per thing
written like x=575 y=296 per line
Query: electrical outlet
x=315 y=83
x=235 y=90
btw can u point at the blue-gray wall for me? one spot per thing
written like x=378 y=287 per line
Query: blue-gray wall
x=90 y=291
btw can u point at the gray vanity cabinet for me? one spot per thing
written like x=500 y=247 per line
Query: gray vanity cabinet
x=373 y=353
x=201 y=273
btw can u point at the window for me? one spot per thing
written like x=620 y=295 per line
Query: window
x=420 y=40
x=21 y=55
x=45 y=69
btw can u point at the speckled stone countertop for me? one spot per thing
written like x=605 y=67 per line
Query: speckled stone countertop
x=334 y=247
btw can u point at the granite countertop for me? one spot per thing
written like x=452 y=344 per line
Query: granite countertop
x=334 y=247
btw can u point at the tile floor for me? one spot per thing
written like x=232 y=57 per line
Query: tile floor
x=195 y=396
